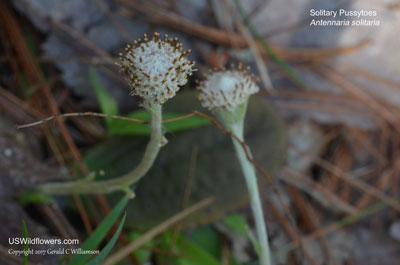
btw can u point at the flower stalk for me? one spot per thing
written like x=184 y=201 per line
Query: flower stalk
x=234 y=122
x=90 y=186
x=226 y=93
x=154 y=69
x=255 y=202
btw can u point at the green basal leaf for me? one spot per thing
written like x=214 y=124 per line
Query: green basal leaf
x=160 y=193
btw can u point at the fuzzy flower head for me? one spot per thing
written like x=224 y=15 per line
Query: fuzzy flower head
x=227 y=88
x=155 y=68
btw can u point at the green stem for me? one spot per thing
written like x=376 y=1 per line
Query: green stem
x=122 y=183
x=255 y=201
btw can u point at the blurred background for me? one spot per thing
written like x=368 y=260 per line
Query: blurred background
x=325 y=126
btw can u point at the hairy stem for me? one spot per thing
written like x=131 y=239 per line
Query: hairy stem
x=122 y=183
x=255 y=201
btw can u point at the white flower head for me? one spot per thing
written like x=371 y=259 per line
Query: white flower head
x=227 y=88
x=155 y=68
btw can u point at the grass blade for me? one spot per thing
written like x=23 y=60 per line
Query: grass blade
x=64 y=258
x=108 y=105
x=103 y=254
x=100 y=233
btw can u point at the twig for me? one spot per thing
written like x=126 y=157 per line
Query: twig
x=214 y=122
x=222 y=37
x=198 y=113
x=122 y=253
x=337 y=78
x=185 y=200
x=80 y=114
x=103 y=5
x=244 y=147
x=310 y=220
x=335 y=226
x=285 y=225
x=35 y=77
x=317 y=191
x=359 y=184
x=254 y=48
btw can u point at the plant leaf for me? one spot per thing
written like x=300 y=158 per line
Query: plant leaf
x=120 y=127
x=190 y=253
x=194 y=255
x=34 y=197
x=142 y=254
x=237 y=223
x=214 y=170
x=108 y=105
x=207 y=238
x=103 y=254
x=99 y=233
x=62 y=261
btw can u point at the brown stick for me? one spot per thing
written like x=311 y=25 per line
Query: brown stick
x=221 y=37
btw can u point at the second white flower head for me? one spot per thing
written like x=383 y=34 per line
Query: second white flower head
x=155 y=68
x=227 y=89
